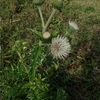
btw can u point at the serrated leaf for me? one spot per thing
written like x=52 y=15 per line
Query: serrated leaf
x=38 y=34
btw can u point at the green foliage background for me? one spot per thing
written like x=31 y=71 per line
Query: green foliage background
x=75 y=78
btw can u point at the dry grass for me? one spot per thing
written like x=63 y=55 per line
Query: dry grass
x=84 y=3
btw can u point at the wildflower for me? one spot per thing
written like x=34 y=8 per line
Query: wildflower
x=60 y=47
x=73 y=25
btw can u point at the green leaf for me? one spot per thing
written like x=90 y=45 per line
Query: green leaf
x=38 y=34
x=28 y=85
x=54 y=33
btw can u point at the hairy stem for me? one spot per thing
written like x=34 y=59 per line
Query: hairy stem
x=41 y=16
x=49 y=20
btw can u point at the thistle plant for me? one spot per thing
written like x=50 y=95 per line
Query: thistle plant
x=53 y=61
x=48 y=49
x=58 y=46
x=49 y=44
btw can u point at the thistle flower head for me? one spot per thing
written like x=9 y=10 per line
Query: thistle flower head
x=60 y=47
x=74 y=25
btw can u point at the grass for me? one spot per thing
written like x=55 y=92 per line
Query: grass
x=78 y=77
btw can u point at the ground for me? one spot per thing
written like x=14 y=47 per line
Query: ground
x=83 y=63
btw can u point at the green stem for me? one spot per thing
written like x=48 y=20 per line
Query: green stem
x=35 y=61
x=41 y=16
x=49 y=20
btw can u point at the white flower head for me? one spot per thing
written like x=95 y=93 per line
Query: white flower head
x=60 y=47
x=74 y=25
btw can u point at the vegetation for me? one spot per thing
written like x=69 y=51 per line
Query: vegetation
x=27 y=68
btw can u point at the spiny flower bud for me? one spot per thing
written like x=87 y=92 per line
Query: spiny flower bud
x=73 y=25
x=58 y=4
x=38 y=2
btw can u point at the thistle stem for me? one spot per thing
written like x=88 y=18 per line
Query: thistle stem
x=41 y=16
x=49 y=20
